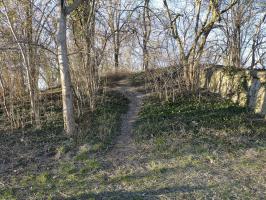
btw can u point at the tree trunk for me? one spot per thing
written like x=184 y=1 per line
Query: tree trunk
x=145 y=57
x=236 y=48
x=236 y=38
x=32 y=72
x=116 y=57
x=147 y=33
x=67 y=96
x=8 y=114
x=186 y=70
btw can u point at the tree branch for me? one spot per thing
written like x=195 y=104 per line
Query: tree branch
x=229 y=7
x=73 y=6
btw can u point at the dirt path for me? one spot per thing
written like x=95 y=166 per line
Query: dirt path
x=125 y=151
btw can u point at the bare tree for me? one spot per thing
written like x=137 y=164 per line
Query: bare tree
x=256 y=43
x=190 y=52
x=27 y=53
x=118 y=21
x=68 y=108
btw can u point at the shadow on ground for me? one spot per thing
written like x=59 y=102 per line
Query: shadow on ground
x=145 y=194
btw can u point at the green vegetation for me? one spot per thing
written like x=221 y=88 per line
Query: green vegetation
x=104 y=122
x=192 y=113
x=200 y=147
x=39 y=164
x=208 y=145
x=138 y=79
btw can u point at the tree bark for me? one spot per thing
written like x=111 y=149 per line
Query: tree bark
x=33 y=75
x=116 y=57
x=147 y=33
x=67 y=95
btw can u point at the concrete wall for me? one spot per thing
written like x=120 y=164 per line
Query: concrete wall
x=245 y=87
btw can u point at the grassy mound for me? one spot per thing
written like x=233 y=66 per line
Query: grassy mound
x=208 y=146
x=104 y=122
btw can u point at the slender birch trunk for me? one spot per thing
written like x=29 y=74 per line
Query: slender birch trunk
x=67 y=95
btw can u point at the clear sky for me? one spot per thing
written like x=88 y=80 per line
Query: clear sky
x=157 y=3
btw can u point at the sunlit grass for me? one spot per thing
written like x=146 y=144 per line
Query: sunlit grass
x=207 y=141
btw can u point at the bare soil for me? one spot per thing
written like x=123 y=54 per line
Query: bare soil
x=125 y=148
